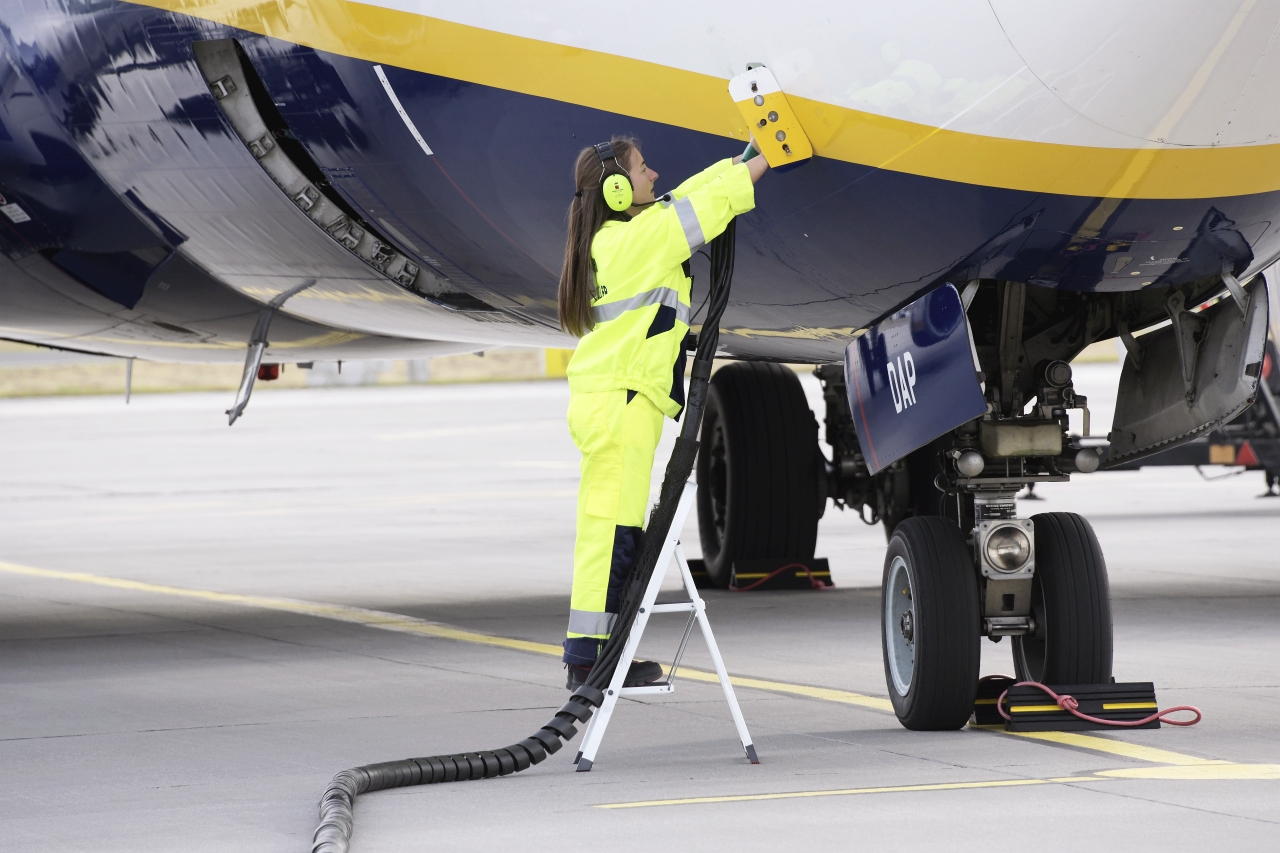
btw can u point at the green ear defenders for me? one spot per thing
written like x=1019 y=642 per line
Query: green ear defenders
x=616 y=188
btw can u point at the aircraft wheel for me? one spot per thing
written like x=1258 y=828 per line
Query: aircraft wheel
x=758 y=469
x=930 y=624
x=1071 y=604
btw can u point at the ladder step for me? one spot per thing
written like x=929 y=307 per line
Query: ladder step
x=647 y=690
x=674 y=607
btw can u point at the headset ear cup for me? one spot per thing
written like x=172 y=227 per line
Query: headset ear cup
x=617 y=192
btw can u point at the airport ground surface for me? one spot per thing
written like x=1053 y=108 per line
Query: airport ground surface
x=139 y=716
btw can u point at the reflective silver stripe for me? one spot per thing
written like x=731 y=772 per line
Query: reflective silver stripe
x=689 y=221
x=590 y=623
x=657 y=296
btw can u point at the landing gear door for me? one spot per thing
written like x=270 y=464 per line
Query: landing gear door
x=912 y=378
x=1191 y=376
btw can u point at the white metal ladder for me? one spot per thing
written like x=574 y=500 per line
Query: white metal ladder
x=697 y=610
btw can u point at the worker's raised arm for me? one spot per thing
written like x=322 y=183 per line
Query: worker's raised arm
x=671 y=233
x=701 y=179
x=756 y=167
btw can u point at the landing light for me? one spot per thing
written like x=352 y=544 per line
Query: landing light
x=1008 y=549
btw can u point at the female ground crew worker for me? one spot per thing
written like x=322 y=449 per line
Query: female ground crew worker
x=624 y=291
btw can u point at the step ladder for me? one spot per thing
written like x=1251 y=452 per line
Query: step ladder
x=697 y=610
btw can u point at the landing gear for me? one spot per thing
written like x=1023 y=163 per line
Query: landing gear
x=759 y=469
x=930 y=622
x=961 y=563
x=1070 y=604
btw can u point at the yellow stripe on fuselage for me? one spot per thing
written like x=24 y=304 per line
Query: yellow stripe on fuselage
x=701 y=102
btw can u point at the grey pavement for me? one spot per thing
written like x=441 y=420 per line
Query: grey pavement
x=143 y=720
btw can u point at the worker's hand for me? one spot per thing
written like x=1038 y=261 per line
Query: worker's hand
x=752 y=139
x=757 y=165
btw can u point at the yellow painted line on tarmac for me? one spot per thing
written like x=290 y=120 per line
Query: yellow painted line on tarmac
x=1208 y=772
x=846 y=792
x=411 y=625
x=1134 y=751
x=824 y=693
x=338 y=612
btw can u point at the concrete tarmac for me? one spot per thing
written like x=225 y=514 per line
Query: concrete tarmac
x=171 y=680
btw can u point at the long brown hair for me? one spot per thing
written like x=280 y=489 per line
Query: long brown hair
x=587 y=212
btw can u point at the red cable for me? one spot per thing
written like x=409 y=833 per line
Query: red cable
x=814 y=582
x=1068 y=703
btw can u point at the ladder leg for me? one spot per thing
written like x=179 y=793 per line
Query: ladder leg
x=595 y=729
x=743 y=735
x=700 y=610
x=600 y=720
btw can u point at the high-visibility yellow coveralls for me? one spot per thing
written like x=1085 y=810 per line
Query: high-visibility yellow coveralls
x=628 y=372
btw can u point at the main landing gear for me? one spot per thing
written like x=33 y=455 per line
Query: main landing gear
x=760 y=485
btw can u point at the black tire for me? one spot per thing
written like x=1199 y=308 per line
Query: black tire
x=758 y=469
x=942 y=641
x=1071 y=603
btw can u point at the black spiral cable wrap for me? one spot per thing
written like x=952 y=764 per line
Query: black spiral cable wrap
x=337 y=806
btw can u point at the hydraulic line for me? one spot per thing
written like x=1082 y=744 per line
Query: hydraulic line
x=338 y=803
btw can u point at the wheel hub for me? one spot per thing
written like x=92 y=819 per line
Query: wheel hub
x=900 y=626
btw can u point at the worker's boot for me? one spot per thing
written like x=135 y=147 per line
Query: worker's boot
x=642 y=672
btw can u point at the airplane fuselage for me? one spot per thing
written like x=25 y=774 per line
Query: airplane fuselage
x=955 y=141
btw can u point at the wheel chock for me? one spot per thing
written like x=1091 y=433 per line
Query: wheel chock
x=769 y=573
x=1029 y=708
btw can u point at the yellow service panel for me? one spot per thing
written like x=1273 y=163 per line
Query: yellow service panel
x=764 y=105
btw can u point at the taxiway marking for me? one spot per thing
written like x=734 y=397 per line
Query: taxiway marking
x=1209 y=771
x=845 y=792
x=385 y=621
x=1116 y=747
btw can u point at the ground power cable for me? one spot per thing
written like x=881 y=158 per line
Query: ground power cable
x=337 y=805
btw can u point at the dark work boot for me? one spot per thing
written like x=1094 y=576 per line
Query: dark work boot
x=642 y=672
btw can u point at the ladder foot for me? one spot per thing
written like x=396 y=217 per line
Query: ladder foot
x=751 y=753
x=584 y=764
x=577 y=757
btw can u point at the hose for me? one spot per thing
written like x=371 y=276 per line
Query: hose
x=1069 y=703
x=337 y=805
